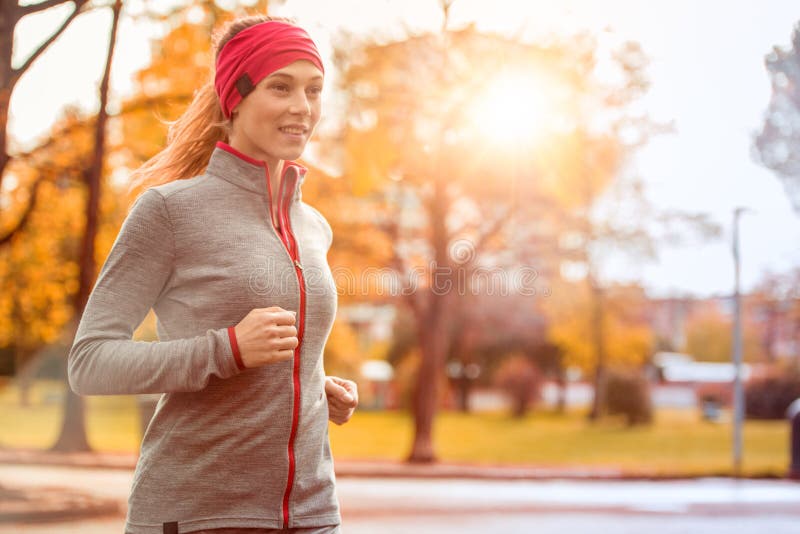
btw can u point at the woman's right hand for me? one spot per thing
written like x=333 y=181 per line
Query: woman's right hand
x=266 y=335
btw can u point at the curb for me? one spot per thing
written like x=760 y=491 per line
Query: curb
x=43 y=505
x=358 y=468
x=68 y=459
x=445 y=470
x=342 y=468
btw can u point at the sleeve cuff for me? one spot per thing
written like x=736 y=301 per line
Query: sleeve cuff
x=235 y=348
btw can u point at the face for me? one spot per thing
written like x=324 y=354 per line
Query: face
x=275 y=121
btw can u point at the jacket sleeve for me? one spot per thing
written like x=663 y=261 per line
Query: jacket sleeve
x=104 y=359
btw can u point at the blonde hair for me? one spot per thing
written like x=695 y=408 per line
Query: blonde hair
x=192 y=137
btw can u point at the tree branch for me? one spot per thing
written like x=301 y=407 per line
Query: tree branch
x=495 y=227
x=88 y=122
x=77 y=11
x=23 y=221
x=396 y=261
x=41 y=6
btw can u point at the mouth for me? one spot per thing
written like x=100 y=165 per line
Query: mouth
x=297 y=131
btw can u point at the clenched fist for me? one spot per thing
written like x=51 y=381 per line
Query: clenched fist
x=342 y=397
x=266 y=335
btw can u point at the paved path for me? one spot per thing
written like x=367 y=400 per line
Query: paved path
x=406 y=505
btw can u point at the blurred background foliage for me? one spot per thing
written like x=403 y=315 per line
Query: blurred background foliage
x=455 y=149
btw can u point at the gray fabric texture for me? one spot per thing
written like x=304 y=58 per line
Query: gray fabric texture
x=330 y=529
x=203 y=252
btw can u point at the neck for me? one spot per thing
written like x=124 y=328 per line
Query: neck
x=275 y=168
x=254 y=168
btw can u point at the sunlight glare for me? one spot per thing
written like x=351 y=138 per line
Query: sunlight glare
x=514 y=109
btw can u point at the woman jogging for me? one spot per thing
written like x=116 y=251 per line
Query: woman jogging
x=234 y=264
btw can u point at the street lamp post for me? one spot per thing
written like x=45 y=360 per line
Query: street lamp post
x=738 y=390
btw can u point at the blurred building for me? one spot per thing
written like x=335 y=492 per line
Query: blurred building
x=775 y=321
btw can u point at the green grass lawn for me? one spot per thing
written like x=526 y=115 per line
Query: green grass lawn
x=679 y=443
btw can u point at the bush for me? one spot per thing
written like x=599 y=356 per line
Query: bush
x=770 y=396
x=519 y=377
x=628 y=394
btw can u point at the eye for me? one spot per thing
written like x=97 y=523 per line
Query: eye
x=315 y=91
x=280 y=87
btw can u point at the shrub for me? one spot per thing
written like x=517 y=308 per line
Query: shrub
x=519 y=377
x=770 y=396
x=628 y=394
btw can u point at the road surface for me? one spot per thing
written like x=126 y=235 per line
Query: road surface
x=464 y=506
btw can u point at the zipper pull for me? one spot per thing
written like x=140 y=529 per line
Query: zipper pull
x=297 y=262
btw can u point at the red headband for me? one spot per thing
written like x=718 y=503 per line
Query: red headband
x=256 y=52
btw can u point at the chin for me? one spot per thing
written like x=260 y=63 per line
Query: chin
x=292 y=154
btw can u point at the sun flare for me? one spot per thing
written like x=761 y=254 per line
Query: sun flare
x=515 y=108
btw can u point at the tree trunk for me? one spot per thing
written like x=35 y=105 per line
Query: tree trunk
x=10 y=13
x=73 y=428
x=434 y=345
x=598 y=338
x=433 y=323
x=520 y=403
x=770 y=330
x=796 y=338
x=463 y=388
x=459 y=348
x=26 y=370
x=561 y=382
x=434 y=318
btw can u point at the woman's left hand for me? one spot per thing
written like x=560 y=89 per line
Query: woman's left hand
x=342 y=398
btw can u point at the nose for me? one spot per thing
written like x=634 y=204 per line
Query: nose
x=300 y=104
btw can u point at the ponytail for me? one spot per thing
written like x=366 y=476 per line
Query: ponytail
x=190 y=142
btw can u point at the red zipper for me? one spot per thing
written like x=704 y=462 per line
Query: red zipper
x=290 y=243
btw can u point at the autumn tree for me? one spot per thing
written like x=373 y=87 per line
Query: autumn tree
x=520 y=378
x=74 y=162
x=39 y=273
x=708 y=336
x=492 y=326
x=776 y=145
x=626 y=335
x=57 y=170
x=73 y=433
x=469 y=170
x=11 y=12
x=774 y=307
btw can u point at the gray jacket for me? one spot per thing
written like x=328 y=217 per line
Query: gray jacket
x=227 y=446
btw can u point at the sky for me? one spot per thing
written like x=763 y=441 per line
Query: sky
x=706 y=69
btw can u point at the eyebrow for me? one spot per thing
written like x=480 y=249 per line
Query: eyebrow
x=284 y=75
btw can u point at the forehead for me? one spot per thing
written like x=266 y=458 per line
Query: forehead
x=302 y=70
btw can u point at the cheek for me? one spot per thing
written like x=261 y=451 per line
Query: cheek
x=316 y=112
x=263 y=110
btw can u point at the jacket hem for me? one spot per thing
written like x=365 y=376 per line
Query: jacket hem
x=193 y=525
x=305 y=521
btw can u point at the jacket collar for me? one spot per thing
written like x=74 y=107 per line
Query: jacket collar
x=239 y=169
